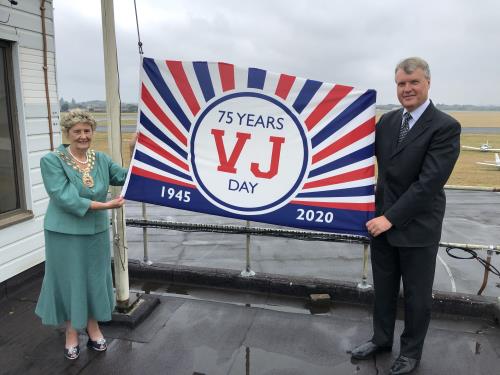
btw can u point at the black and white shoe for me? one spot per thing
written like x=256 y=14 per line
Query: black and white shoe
x=99 y=345
x=72 y=353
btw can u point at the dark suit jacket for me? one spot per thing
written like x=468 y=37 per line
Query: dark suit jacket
x=411 y=175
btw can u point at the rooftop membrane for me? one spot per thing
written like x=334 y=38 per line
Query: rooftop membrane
x=198 y=330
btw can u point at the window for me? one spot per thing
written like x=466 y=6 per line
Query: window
x=12 y=201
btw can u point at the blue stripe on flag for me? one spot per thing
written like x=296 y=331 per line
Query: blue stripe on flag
x=345 y=221
x=146 y=159
x=361 y=154
x=256 y=78
x=203 y=75
x=154 y=75
x=305 y=95
x=161 y=136
x=349 y=192
x=358 y=106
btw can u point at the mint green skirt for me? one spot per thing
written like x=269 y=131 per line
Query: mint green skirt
x=77 y=285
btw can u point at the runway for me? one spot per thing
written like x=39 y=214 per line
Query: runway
x=481 y=130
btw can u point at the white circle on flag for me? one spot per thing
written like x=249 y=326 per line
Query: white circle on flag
x=249 y=153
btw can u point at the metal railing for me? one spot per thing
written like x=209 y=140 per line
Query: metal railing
x=248 y=231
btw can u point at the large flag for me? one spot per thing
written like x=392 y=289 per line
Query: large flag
x=255 y=145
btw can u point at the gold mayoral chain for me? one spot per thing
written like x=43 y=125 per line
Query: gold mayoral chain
x=83 y=167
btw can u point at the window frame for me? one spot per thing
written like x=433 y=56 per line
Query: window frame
x=22 y=213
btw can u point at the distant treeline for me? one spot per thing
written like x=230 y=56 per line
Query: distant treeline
x=93 y=105
x=449 y=107
x=100 y=106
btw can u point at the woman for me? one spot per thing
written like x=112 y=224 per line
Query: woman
x=77 y=288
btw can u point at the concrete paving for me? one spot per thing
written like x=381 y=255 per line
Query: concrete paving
x=471 y=217
x=201 y=331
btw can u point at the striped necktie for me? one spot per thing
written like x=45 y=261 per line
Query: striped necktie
x=405 y=127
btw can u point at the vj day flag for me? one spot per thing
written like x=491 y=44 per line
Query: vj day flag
x=254 y=145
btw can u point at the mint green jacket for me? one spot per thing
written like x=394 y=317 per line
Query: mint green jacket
x=69 y=206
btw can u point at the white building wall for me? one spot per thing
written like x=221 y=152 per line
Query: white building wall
x=22 y=244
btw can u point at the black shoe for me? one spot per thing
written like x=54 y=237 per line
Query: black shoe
x=403 y=365
x=72 y=353
x=368 y=350
x=99 y=345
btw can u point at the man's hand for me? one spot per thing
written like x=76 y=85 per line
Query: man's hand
x=378 y=225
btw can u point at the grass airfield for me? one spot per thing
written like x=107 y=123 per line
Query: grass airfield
x=466 y=171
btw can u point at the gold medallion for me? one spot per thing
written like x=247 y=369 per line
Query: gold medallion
x=87 y=179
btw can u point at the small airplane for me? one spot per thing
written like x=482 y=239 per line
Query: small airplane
x=485 y=147
x=491 y=164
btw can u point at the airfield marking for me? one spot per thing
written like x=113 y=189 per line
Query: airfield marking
x=452 y=280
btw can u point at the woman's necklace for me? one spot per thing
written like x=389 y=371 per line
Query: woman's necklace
x=74 y=157
x=83 y=167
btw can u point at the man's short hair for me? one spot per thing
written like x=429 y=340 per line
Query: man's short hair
x=410 y=64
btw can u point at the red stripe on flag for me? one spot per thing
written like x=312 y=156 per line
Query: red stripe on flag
x=336 y=94
x=284 y=85
x=154 y=176
x=158 y=112
x=368 y=206
x=357 y=174
x=361 y=131
x=149 y=143
x=181 y=80
x=226 y=72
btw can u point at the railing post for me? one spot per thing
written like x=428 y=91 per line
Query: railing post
x=364 y=278
x=248 y=270
x=486 y=272
x=497 y=310
x=146 y=259
x=247 y=361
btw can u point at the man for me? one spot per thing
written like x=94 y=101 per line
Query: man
x=416 y=148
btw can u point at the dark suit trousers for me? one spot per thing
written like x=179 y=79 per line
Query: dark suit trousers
x=415 y=266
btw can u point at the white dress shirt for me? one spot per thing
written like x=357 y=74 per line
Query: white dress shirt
x=417 y=112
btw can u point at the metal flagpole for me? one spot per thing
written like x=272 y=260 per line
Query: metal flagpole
x=114 y=143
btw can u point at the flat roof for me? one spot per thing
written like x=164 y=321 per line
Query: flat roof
x=205 y=331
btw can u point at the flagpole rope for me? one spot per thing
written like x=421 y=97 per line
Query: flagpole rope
x=139 y=42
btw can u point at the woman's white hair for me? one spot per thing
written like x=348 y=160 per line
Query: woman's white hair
x=77 y=116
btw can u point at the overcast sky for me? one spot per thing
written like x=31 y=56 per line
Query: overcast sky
x=353 y=42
